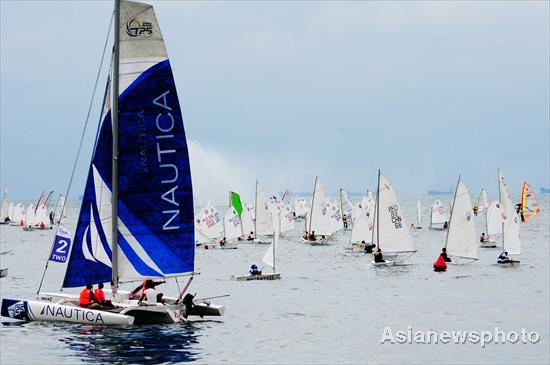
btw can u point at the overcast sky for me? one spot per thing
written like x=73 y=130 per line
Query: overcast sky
x=284 y=91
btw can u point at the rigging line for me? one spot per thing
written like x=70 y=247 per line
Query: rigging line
x=79 y=148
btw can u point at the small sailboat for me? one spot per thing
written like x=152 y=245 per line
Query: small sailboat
x=346 y=208
x=18 y=215
x=482 y=202
x=247 y=219
x=391 y=234
x=438 y=216
x=208 y=225
x=4 y=209
x=263 y=223
x=232 y=228
x=268 y=259
x=363 y=223
x=318 y=219
x=493 y=224
x=529 y=206
x=460 y=241
x=136 y=215
x=29 y=218
x=301 y=207
x=511 y=240
x=59 y=210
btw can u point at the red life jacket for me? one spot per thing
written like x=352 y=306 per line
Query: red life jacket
x=85 y=297
x=440 y=263
x=99 y=295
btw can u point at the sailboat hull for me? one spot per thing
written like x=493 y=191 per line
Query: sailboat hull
x=511 y=263
x=30 y=310
x=272 y=276
x=318 y=242
x=389 y=263
x=3 y=273
x=488 y=244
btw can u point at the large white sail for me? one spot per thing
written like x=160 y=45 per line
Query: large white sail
x=11 y=209
x=418 y=214
x=247 y=217
x=59 y=212
x=208 y=222
x=264 y=220
x=482 y=202
x=494 y=219
x=336 y=222
x=363 y=223
x=42 y=217
x=301 y=207
x=319 y=216
x=232 y=224
x=461 y=235
x=4 y=210
x=29 y=216
x=271 y=253
x=511 y=236
x=439 y=215
x=18 y=213
x=391 y=232
x=345 y=203
x=286 y=218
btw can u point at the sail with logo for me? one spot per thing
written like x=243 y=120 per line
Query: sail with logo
x=136 y=218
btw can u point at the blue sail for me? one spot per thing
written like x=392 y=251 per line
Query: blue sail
x=155 y=200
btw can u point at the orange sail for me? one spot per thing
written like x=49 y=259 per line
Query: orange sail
x=529 y=205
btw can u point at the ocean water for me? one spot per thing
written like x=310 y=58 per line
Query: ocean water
x=330 y=306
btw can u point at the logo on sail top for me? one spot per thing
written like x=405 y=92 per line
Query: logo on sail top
x=137 y=28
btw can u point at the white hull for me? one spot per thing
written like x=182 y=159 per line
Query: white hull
x=512 y=263
x=437 y=228
x=488 y=244
x=389 y=263
x=30 y=310
x=3 y=272
x=318 y=242
x=271 y=276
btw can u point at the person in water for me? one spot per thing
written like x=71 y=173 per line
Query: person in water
x=150 y=294
x=87 y=299
x=482 y=238
x=99 y=296
x=445 y=225
x=378 y=256
x=254 y=270
x=444 y=255
x=503 y=258
x=250 y=236
x=312 y=236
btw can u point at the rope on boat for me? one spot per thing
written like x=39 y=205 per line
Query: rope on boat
x=79 y=148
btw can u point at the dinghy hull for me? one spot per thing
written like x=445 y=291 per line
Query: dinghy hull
x=388 y=263
x=488 y=244
x=30 y=310
x=3 y=273
x=272 y=276
x=511 y=263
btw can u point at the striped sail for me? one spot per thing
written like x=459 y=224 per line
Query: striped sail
x=155 y=201
x=529 y=206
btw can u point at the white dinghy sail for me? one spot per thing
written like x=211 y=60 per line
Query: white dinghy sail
x=4 y=210
x=438 y=216
x=461 y=234
x=391 y=233
x=263 y=222
x=511 y=240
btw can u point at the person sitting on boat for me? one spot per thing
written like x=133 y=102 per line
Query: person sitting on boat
x=134 y=293
x=51 y=217
x=312 y=236
x=503 y=258
x=482 y=238
x=223 y=241
x=444 y=255
x=250 y=236
x=413 y=226
x=151 y=295
x=87 y=299
x=254 y=270
x=518 y=208
x=475 y=209
x=445 y=225
x=345 y=221
x=369 y=247
x=306 y=235
x=378 y=256
x=99 y=296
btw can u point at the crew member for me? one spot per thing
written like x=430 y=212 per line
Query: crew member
x=87 y=299
x=378 y=256
x=444 y=255
x=99 y=296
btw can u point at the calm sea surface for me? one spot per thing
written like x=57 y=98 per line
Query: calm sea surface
x=329 y=307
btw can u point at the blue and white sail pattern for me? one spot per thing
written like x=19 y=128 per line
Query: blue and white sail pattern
x=155 y=201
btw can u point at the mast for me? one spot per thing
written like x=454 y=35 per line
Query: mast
x=378 y=212
x=341 y=206
x=500 y=199
x=451 y=217
x=256 y=211
x=312 y=203
x=114 y=214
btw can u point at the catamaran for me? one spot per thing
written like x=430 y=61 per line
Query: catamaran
x=511 y=240
x=268 y=259
x=136 y=215
x=438 y=216
x=391 y=234
x=460 y=241
x=529 y=206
